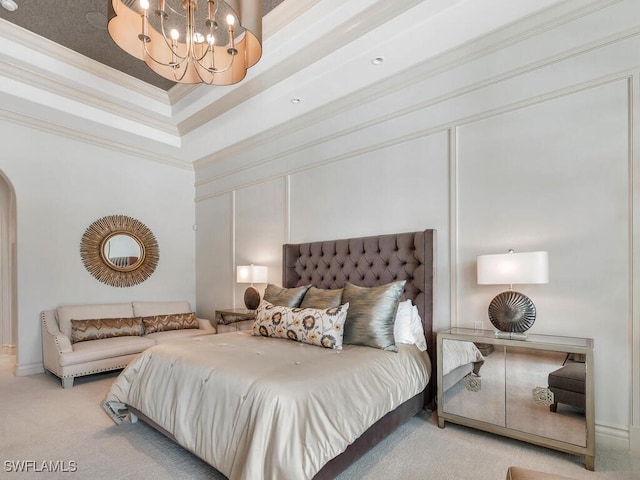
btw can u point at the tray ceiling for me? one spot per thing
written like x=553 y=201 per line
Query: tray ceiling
x=81 y=25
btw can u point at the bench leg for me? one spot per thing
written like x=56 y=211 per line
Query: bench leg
x=67 y=382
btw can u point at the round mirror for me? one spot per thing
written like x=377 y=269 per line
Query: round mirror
x=123 y=251
x=119 y=251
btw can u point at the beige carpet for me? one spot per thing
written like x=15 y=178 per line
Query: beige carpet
x=41 y=422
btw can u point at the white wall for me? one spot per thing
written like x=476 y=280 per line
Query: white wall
x=524 y=145
x=61 y=187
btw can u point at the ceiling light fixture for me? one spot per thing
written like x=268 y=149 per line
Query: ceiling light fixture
x=377 y=61
x=214 y=44
x=9 y=5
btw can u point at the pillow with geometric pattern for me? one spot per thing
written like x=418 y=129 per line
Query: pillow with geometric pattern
x=98 y=328
x=321 y=327
x=175 y=321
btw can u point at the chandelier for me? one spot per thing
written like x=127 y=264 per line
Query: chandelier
x=190 y=41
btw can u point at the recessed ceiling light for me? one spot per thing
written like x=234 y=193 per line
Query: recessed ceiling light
x=296 y=100
x=9 y=5
x=377 y=61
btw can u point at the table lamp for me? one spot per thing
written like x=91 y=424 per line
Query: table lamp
x=511 y=312
x=251 y=274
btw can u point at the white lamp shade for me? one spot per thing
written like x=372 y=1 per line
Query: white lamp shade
x=513 y=268
x=252 y=274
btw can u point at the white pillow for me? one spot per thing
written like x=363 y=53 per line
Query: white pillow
x=408 y=326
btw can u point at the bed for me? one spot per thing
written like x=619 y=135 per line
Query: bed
x=459 y=359
x=312 y=437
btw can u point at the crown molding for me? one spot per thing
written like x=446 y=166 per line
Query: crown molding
x=510 y=34
x=67 y=56
x=94 y=140
x=305 y=55
x=272 y=22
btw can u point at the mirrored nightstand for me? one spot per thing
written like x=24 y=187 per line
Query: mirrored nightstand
x=234 y=319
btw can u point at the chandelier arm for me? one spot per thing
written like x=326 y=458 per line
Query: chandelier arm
x=169 y=45
x=148 y=54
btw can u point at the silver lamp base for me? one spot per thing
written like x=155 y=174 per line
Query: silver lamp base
x=513 y=313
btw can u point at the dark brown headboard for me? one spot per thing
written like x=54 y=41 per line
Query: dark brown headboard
x=369 y=262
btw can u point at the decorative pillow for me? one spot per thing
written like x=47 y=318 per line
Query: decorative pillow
x=407 y=327
x=285 y=297
x=321 y=298
x=372 y=312
x=95 y=329
x=322 y=327
x=174 y=321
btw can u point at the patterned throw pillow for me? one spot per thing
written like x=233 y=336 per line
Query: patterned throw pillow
x=372 y=314
x=321 y=327
x=175 y=321
x=96 y=329
x=285 y=297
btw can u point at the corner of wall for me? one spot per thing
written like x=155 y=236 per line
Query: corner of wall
x=28 y=369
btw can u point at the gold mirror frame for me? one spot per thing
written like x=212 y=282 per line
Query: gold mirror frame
x=100 y=232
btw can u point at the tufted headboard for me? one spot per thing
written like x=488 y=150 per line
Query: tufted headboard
x=369 y=262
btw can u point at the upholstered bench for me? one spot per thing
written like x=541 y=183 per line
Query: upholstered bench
x=517 y=473
x=568 y=385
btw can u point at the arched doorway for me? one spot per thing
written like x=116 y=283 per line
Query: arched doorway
x=8 y=290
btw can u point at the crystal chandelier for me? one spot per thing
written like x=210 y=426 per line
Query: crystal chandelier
x=190 y=41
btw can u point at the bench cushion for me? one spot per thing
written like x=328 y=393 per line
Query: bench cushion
x=92 y=350
x=571 y=377
x=168 y=335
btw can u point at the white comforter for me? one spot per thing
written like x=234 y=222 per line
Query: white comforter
x=456 y=353
x=264 y=408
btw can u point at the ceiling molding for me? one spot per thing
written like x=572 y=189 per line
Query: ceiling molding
x=342 y=34
x=272 y=22
x=56 y=87
x=94 y=140
x=69 y=57
x=511 y=34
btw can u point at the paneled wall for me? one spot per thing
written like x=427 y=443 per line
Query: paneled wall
x=525 y=145
x=62 y=186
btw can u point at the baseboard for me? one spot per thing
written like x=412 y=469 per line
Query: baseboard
x=30 y=369
x=634 y=438
x=613 y=437
x=8 y=350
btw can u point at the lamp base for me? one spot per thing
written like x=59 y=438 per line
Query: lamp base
x=512 y=311
x=511 y=335
x=251 y=298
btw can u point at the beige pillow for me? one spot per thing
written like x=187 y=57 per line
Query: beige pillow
x=285 y=297
x=372 y=312
x=321 y=327
x=174 y=321
x=96 y=329
x=321 y=298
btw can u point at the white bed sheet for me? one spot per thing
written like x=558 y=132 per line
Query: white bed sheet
x=265 y=408
x=456 y=353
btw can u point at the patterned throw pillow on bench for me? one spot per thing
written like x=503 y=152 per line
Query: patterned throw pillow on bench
x=96 y=329
x=175 y=321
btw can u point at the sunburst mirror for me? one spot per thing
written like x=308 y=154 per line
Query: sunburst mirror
x=119 y=251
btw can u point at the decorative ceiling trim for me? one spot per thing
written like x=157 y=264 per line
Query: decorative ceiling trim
x=94 y=140
x=74 y=59
x=511 y=34
x=339 y=36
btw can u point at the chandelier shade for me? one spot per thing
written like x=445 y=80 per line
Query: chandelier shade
x=190 y=41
